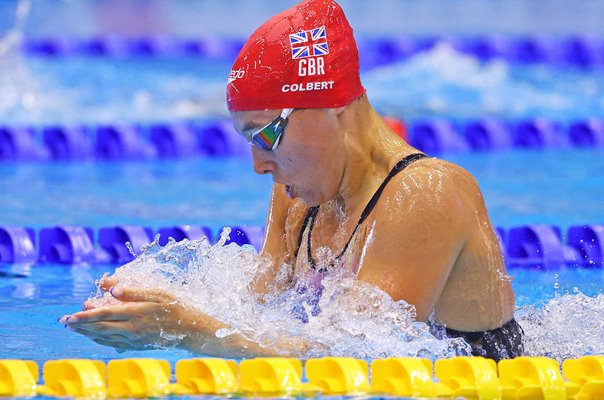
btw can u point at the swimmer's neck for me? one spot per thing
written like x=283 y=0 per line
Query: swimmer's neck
x=371 y=150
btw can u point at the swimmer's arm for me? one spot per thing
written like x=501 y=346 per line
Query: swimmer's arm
x=274 y=247
x=411 y=252
x=139 y=319
x=237 y=346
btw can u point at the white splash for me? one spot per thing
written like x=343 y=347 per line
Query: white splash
x=569 y=326
x=356 y=319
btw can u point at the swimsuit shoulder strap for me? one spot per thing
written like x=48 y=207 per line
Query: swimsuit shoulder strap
x=401 y=165
x=310 y=215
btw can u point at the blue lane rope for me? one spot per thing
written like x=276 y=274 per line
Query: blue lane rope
x=527 y=246
x=573 y=50
x=217 y=138
x=72 y=245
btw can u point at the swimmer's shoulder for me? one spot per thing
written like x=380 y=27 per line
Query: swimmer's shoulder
x=433 y=189
x=463 y=185
x=434 y=176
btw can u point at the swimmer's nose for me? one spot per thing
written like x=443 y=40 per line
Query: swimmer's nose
x=262 y=161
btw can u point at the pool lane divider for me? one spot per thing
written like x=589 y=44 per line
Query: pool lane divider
x=112 y=45
x=218 y=138
x=212 y=138
x=73 y=245
x=581 y=51
x=468 y=377
x=437 y=136
x=536 y=246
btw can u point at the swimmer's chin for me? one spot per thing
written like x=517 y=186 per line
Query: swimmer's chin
x=293 y=193
x=290 y=192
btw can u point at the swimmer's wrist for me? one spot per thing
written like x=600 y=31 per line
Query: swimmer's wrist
x=200 y=338
x=232 y=346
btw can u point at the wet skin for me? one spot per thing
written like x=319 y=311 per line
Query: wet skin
x=428 y=241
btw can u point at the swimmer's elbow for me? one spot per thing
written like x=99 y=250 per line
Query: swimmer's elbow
x=423 y=313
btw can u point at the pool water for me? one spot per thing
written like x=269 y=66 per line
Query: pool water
x=561 y=309
x=156 y=193
x=31 y=304
x=218 y=192
x=557 y=187
x=439 y=82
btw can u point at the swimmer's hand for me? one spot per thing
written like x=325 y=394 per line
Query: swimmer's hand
x=143 y=319
x=106 y=283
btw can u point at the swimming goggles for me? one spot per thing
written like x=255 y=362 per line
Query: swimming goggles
x=269 y=136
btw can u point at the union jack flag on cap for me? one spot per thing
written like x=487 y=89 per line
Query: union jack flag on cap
x=311 y=43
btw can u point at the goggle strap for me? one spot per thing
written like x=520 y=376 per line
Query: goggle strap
x=286 y=112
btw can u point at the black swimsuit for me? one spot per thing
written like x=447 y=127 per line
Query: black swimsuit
x=504 y=342
x=500 y=343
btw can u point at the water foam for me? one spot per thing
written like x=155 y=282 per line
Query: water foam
x=569 y=326
x=103 y=90
x=437 y=82
x=356 y=319
x=10 y=41
x=15 y=83
x=78 y=90
x=442 y=81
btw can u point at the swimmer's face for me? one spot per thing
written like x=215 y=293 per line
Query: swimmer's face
x=307 y=160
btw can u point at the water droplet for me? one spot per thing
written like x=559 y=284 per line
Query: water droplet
x=130 y=249
x=222 y=333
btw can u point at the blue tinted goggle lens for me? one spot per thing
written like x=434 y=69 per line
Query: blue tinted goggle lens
x=268 y=138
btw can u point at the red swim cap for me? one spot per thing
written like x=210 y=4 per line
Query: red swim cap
x=304 y=57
